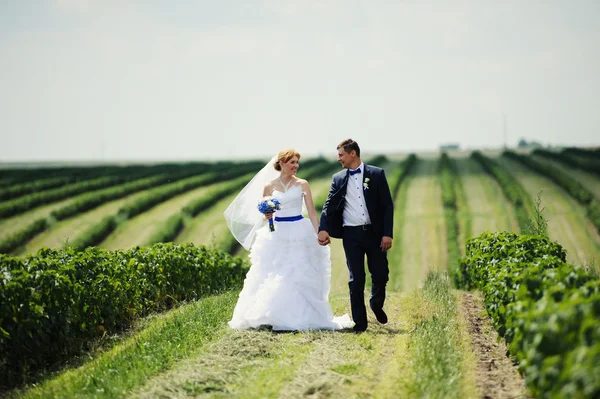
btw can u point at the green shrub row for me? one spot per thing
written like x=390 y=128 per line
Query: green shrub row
x=6 y=182
x=86 y=202
x=54 y=303
x=161 y=194
x=512 y=189
x=83 y=203
x=568 y=158
x=583 y=152
x=30 y=201
x=15 y=240
x=25 y=177
x=309 y=163
x=548 y=311
x=448 y=181
x=319 y=170
x=21 y=176
x=174 y=224
x=379 y=161
x=18 y=177
x=448 y=178
x=19 y=190
x=571 y=186
x=97 y=233
x=92 y=200
x=398 y=175
x=394 y=179
x=228 y=244
x=306 y=168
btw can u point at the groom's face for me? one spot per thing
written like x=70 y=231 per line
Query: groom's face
x=345 y=158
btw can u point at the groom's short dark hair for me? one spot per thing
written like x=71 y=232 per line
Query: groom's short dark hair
x=349 y=145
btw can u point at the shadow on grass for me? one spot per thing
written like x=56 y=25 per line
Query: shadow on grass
x=371 y=331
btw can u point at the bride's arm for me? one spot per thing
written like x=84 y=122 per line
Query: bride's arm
x=310 y=206
x=267 y=190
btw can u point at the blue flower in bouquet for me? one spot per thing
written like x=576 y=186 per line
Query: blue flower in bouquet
x=269 y=204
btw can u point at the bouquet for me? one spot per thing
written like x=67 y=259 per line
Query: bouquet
x=269 y=204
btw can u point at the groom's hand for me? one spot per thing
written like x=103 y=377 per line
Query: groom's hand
x=386 y=243
x=324 y=237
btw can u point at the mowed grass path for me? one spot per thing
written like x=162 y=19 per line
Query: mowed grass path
x=191 y=352
x=423 y=229
x=13 y=224
x=209 y=227
x=139 y=229
x=60 y=232
x=587 y=180
x=487 y=207
x=567 y=223
x=262 y=364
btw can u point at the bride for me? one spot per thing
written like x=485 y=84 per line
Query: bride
x=287 y=286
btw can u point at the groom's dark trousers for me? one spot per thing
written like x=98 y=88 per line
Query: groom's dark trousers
x=359 y=241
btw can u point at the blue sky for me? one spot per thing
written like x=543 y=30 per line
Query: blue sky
x=147 y=80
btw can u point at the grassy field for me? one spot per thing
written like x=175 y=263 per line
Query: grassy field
x=567 y=223
x=487 y=207
x=423 y=231
x=60 y=232
x=139 y=229
x=587 y=179
x=437 y=344
x=208 y=228
x=13 y=224
x=424 y=351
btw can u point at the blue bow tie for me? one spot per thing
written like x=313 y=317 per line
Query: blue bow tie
x=353 y=172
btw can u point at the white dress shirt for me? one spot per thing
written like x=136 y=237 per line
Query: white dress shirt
x=355 y=212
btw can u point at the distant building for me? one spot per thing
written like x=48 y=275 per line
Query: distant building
x=528 y=144
x=451 y=146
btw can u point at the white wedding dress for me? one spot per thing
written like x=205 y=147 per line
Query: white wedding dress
x=287 y=286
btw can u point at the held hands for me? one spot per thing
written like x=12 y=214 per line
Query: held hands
x=324 y=238
x=386 y=243
x=269 y=215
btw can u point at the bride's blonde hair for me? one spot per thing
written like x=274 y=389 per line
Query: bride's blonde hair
x=284 y=156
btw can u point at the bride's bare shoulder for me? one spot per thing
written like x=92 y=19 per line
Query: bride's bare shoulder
x=271 y=183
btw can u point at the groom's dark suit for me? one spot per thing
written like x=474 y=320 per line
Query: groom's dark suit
x=364 y=240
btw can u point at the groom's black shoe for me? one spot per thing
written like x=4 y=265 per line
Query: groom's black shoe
x=380 y=315
x=359 y=329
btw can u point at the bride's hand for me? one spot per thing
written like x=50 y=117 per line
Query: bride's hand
x=268 y=215
x=323 y=237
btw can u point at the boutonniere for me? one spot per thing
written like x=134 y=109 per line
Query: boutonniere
x=366 y=183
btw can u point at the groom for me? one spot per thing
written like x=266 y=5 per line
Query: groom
x=359 y=209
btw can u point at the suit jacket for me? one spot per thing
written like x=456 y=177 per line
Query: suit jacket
x=377 y=197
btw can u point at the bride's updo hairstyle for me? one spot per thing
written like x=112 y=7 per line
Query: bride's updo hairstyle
x=284 y=156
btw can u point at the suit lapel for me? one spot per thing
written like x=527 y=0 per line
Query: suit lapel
x=366 y=175
x=366 y=191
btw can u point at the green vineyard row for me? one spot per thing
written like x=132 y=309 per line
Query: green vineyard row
x=546 y=309
x=574 y=188
x=53 y=304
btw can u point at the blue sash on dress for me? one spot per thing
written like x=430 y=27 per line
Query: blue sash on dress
x=288 y=218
